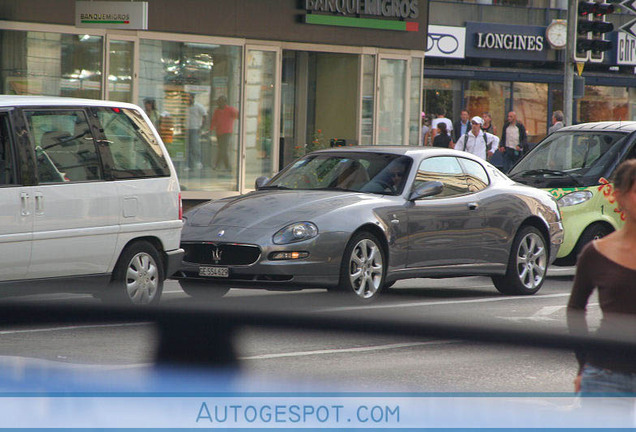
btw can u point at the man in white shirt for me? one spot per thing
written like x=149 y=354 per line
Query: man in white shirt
x=478 y=142
x=197 y=116
x=441 y=119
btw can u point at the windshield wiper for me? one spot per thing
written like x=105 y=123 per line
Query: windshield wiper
x=551 y=172
x=335 y=188
x=274 y=187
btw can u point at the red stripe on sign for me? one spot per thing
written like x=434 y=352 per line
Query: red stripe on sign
x=412 y=26
x=126 y=22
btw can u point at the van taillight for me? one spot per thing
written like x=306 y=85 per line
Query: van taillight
x=180 y=208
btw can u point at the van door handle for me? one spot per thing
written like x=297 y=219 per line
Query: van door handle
x=39 y=203
x=24 y=204
x=473 y=206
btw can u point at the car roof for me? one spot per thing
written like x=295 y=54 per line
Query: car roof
x=397 y=150
x=18 y=101
x=613 y=126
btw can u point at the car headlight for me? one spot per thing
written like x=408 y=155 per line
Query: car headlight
x=574 y=198
x=296 y=232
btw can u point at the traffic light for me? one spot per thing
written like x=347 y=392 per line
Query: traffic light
x=591 y=26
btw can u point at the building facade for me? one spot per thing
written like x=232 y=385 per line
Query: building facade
x=236 y=88
x=493 y=56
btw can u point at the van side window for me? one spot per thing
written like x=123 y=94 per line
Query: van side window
x=7 y=176
x=133 y=146
x=64 y=146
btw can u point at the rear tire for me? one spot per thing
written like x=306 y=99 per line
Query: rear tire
x=527 y=264
x=201 y=290
x=138 y=276
x=363 y=268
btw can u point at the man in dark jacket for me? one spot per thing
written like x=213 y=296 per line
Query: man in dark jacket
x=514 y=141
x=462 y=126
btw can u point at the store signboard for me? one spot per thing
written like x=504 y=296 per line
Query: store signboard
x=446 y=41
x=131 y=15
x=625 y=49
x=371 y=14
x=626 y=40
x=507 y=42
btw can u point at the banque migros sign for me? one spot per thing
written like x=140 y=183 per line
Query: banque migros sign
x=378 y=14
x=112 y=14
x=385 y=8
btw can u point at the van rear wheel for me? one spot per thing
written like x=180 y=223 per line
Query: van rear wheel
x=138 y=276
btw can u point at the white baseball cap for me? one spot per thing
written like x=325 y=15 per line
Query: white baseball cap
x=477 y=119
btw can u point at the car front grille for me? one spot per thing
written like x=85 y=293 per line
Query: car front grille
x=220 y=253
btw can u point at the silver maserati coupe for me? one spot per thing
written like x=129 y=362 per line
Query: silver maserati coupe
x=357 y=219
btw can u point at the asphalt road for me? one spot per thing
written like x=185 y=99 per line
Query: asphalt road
x=348 y=361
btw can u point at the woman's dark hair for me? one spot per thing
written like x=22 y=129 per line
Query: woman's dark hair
x=625 y=175
x=151 y=102
x=442 y=127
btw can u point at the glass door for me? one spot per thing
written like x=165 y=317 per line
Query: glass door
x=261 y=102
x=120 y=67
x=392 y=107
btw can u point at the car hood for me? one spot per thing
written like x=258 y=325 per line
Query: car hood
x=271 y=209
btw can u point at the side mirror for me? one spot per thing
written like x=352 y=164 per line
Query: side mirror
x=260 y=182
x=427 y=189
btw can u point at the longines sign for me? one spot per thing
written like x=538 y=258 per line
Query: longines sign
x=373 y=14
x=510 y=42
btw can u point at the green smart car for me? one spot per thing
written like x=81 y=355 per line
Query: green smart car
x=575 y=164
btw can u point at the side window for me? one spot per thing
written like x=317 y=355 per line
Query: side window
x=64 y=146
x=134 y=149
x=7 y=174
x=445 y=169
x=476 y=175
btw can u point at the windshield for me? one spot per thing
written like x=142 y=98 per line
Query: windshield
x=380 y=173
x=573 y=155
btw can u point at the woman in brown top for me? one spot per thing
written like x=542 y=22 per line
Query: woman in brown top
x=609 y=265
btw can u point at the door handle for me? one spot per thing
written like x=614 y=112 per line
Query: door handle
x=24 y=204
x=39 y=203
x=473 y=206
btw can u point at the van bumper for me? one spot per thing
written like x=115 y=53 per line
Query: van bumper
x=173 y=261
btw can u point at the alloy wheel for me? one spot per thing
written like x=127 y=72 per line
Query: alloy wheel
x=531 y=260
x=366 y=268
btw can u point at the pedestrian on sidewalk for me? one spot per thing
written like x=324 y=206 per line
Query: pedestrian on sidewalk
x=608 y=266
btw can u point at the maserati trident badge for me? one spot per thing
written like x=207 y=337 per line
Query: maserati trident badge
x=216 y=255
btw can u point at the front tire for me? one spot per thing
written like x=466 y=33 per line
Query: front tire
x=201 y=290
x=527 y=264
x=363 y=268
x=138 y=276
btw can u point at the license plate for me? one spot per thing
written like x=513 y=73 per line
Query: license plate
x=221 y=272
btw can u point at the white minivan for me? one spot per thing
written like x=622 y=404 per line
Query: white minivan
x=89 y=200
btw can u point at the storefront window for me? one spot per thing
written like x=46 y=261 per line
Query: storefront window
x=439 y=95
x=415 y=120
x=604 y=103
x=530 y=104
x=181 y=85
x=319 y=101
x=392 y=102
x=491 y=97
x=368 y=97
x=51 y=64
